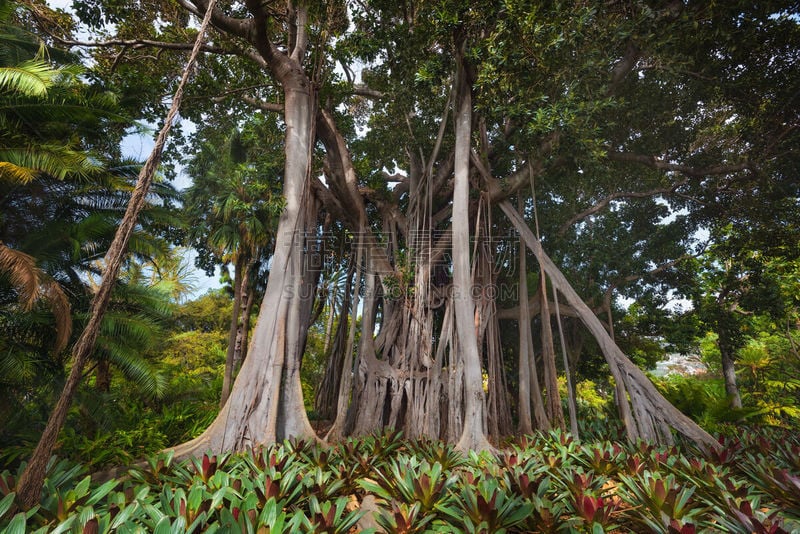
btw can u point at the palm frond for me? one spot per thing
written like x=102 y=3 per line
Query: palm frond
x=62 y=313
x=58 y=110
x=57 y=161
x=17 y=365
x=137 y=331
x=14 y=173
x=30 y=78
x=32 y=284
x=23 y=274
x=134 y=368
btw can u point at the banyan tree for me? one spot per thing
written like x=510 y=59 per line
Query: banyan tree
x=455 y=144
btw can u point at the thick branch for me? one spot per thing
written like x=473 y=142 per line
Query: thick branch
x=623 y=67
x=263 y=106
x=359 y=89
x=614 y=196
x=141 y=43
x=692 y=172
x=239 y=27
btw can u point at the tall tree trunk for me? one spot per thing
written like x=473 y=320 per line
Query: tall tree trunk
x=573 y=410
x=243 y=335
x=729 y=372
x=326 y=395
x=346 y=381
x=553 y=397
x=651 y=414
x=30 y=484
x=266 y=402
x=473 y=435
x=233 y=329
x=525 y=423
x=102 y=376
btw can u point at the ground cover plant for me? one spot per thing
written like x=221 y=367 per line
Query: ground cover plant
x=546 y=483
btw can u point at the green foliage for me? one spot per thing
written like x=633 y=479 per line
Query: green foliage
x=702 y=399
x=547 y=484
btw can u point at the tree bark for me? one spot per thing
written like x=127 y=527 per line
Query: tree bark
x=30 y=484
x=729 y=375
x=525 y=422
x=553 y=397
x=102 y=376
x=243 y=335
x=473 y=436
x=233 y=329
x=346 y=377
x=650 y=411
x=266 y=404
x=573 y=410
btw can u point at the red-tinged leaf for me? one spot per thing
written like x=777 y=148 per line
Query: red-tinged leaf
x=676 y=528
x=91 y=526
x=746 y=508
x=331 y=516
x=6 y=484
x=182 y=507
x=422 y=484
x=271 y=488
x=524 y=482
x=587 y=507
x=660 y=491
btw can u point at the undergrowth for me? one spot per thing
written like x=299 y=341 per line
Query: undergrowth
x=545 y=483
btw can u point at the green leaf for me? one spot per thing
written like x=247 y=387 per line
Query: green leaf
x=5 y=504
x=17 y=525
x=102 y=491
x=163 y=526
x=65 y=525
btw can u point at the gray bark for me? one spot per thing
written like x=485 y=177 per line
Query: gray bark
x=266 y=401
x=473 y=435
x=651 y=413
x=729 y=376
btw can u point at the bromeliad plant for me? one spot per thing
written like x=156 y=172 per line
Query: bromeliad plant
x=549 y=483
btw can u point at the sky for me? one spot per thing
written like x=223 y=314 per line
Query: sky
x=138 y=147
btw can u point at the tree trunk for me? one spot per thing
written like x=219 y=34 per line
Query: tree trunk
x=29 y=486
x=573 y=410
x=555 y=412
x=326 y=395
x=102 y=374
x=346 y=377
x=651 y=413
x=729 y=374
x=266 y=402
x=473 y=436
x=525 y=423
x=243 y=336
x=233 y=329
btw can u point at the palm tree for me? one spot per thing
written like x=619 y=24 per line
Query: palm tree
x=233 y=211
x=61 y=201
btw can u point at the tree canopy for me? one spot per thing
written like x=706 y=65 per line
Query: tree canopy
x=496 y=178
